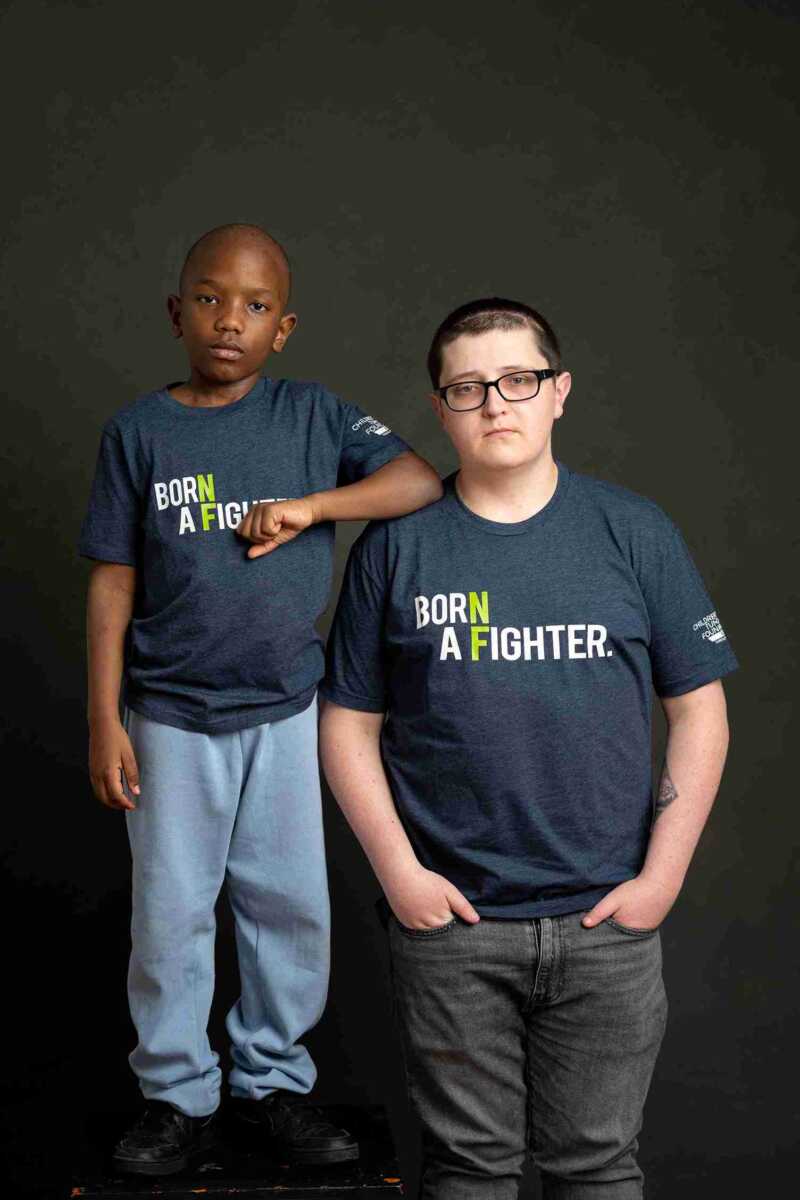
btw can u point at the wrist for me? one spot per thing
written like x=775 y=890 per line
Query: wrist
x=395 y=877
x=103 y=718
x=668 y=886
x=317 y=502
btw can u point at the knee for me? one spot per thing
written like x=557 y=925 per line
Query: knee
x=171 y=917
x=481 y=1168
x=583 y=1161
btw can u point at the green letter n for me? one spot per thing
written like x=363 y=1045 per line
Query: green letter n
x=479 y=609
x=205 y=487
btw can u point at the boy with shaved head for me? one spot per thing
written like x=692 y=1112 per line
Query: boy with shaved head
x=211 y=525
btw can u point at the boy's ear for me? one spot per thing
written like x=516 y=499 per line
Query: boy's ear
x=562 y=388
x=285 y=328
x=437 y=404
x=174 y=310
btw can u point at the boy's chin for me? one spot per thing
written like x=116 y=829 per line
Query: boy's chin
x=218 y=371
x=505 y=458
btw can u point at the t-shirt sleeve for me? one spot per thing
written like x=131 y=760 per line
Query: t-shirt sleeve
x=355 y=674
x=110 y=529
x=366 y=445
x=688 y=645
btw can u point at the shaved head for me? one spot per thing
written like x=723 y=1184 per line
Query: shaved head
x=238 y=234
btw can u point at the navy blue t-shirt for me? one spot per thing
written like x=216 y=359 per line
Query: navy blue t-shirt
x=218 y=641
x=516 y=663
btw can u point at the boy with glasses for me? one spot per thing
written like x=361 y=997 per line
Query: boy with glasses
x=486 y=731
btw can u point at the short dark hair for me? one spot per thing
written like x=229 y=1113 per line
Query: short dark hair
x=479 y=316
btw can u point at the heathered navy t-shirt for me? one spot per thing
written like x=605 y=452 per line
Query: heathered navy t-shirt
x=516 y=664
x=218 y=641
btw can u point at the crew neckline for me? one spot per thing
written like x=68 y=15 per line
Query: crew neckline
x=205 y=412
x=510 y=528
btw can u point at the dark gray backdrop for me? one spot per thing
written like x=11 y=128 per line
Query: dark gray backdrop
x=627 y=168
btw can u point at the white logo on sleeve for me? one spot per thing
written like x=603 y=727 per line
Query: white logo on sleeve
x=371 y=426
x=712 y=630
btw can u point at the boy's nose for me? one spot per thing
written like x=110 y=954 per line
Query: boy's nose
x=494 y=401
x=229 y=319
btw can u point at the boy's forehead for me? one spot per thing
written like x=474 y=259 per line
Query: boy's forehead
x=234 y=259
x=494 y=348
x=237 y=261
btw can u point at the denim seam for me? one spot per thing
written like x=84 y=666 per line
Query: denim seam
x=399 y=1023
x=531 y=926
x=559 y=970
x=529 y=1124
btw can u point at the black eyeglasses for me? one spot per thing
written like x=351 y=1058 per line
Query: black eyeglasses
x=472 y=393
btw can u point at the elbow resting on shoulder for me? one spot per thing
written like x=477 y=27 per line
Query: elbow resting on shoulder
x=424 y=475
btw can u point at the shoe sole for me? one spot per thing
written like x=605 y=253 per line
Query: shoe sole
x=170 y=1166
x=312 y=1157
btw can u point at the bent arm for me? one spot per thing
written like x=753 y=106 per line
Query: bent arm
x=349 y=745
x=697 y=745
x=401 y=486
x=109 y=608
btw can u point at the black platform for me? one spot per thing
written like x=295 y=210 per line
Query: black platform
x=234 y=1169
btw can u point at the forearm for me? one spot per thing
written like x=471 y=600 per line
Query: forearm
x=399 y=487
x=697 y=746
x=349 y=743
x=109 y=609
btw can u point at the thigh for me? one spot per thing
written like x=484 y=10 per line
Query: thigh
x=181 y=826
x=276 y=859
x=281 y=796
x=460 y=994
x=593 y=1046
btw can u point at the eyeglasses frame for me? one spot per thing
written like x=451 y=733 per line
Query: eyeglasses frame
x=541 y=374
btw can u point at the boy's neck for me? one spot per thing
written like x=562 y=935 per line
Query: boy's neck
x=199 y=392
x=511 y=493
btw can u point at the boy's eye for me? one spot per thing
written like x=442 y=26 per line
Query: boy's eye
x=203 y=299
x=258 y=306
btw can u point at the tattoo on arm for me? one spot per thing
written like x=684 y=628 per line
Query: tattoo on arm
x=667 y=792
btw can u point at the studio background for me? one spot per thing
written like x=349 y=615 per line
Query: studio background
x=628 y=169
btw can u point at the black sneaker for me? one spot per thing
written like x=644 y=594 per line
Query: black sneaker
x=163 y=1141
x=284 y=1126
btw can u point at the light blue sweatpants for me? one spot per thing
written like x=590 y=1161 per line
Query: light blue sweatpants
x=244 y=807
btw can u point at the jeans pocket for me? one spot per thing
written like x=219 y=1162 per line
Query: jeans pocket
x=436 y=931
x=630 y=930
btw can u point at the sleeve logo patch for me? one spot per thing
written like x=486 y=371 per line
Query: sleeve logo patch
x=370 y=425
x=712 y=630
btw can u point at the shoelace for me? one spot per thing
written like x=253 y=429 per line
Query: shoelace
x=304 y=1117
x=158 y=1122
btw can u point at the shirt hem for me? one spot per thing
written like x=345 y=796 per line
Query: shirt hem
x=348 y=700
x=107 y=554
x=699 y=679
x=260 y=716
x=526 y=910
x=380 y=458
x=558 y=907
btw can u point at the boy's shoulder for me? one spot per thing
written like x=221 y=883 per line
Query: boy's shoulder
x=142 y=410
x=385 y=537
x=308 y=391
x=618 y=504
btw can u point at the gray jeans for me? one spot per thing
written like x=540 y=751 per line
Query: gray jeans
x=529 y=1035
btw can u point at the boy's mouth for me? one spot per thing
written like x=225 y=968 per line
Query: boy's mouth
x=225 y=350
